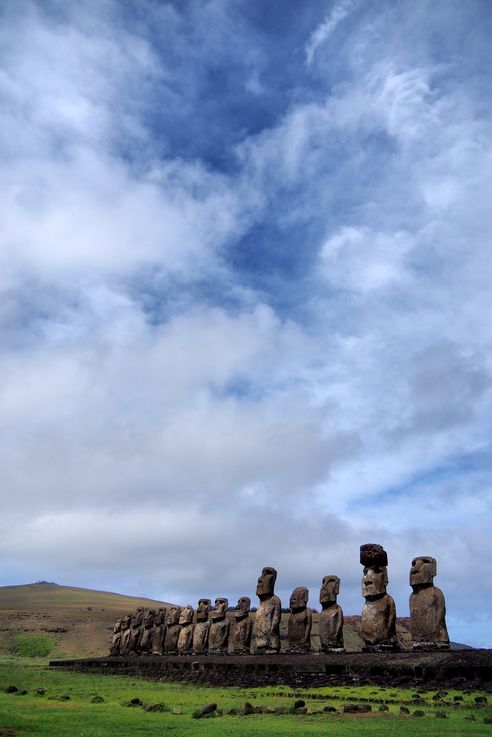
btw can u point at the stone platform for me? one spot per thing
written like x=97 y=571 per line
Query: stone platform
x=452 y=669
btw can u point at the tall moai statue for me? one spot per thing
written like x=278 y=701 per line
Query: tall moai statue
x=117 y=637
x=378 y=621
x=218 y=635
x=267 y=620
x=427 y=607
x=331 y=616
x=202 y=627
x=300 y=621
x=136 y=632
x=159 y=632
x=126 y=633
x=185 y=638
x=145 y=646
x=172 y=630
x=242 y=628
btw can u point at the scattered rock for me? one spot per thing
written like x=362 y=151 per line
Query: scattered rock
x=281 y=710
x=356 y=708
x=40 y=692
x=419 y=713
x=299 y=703
x=383 y=707
x=97 y=700
x=156 y=707
x=135 y=702
x=481 y=699
x=439 y=695
x=441 y=715
x=329 y=709
x=487 y=720
x=176 y=711
x=64 y=697
x=457 y=698
x=404 y=710
x=11 y=689
x=470 y=718
x=233 y=712
x=248 y=708
x=23 y=692
x=208 y=709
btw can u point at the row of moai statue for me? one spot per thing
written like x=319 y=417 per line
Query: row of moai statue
x=174 y=631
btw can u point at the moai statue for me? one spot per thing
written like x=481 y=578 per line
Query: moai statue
x=136 y=632
x=242 y=628
x=172 y=630
x=427 y=607
x=145 y=646
x=331 y=616
x=218 y=635
x=185 y=638
x=116 y=640
x=267 y=621
x=378 y=621
x=126 y=630
x=159 y=632
x=300 y=622
x=202 y=626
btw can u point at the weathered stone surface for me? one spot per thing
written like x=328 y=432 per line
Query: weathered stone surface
x=331 y=616
x=126 y=630
x=218 y=636
x=378 y=621
x=202 y=627
x=145 y=645
x=159 y=632
x=117 y=637
x=300 y=621
x=427 y=607
x=185 y=638
x=242 y=627
x=267 y=622
x=135 y=631
x=172 y=630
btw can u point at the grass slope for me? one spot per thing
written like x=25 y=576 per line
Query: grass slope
x=66 y=708
x=77 y=622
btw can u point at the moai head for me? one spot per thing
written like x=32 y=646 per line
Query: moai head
x=375 y=578
x=202 y=610
x=186 y=615
x=299 y=599
x=220 y=609
x=149 y=618
x=127 y=622
x=330 y=588
x=266 y=583
x=138 y=617
x=423 y=570
x=118 y=626
x=173 y=615
x=242 y=608
x=160 y=617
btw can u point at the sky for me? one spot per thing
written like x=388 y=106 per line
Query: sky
x=245 y=270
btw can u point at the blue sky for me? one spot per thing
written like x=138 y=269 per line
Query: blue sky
x=245 y=275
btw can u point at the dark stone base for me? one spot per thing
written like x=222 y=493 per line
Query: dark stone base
x=452 y=669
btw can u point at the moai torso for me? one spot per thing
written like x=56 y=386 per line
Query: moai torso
x=242 y=628
x=172 y=630
x=218 y=635
x=185 y=638
x=202 y=626
x=427 y=607
x=378 y=620
x=117 y=637
x=147 y=629
x=135 y=633
x=267 y=620
x=300 y=622
x=331 y=616
x=126 y=632
x=159 y=632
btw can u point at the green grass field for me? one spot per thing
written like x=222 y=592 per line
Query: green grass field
x=52 y=714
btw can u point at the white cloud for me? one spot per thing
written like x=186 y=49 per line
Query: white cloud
x=321 y=34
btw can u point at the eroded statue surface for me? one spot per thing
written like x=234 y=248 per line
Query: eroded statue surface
x=218 y=635
x=267 y=621
x=300 y=621
x=331 y=616
x=172 y=629
x=159 y=632
x=242 y=627
x=202 y=626
x=135 y=632
x=145 y=645
x=427 y=607
x=378 y=621
x=117 y=637
x=185 y=637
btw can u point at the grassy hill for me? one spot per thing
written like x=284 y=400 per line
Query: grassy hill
x=76 y=622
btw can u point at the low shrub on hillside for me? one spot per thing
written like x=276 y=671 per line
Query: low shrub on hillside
x=32 y=646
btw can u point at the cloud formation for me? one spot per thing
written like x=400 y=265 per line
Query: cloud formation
x=244 y=298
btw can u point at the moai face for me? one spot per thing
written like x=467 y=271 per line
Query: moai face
x=149 y=618
x=423 y=570
x=266 y=583
x=160 y=617
x=299 y=598
x=202 y=610
x=374 y=581
x=127 y=621
x=186 y=615
x=242 y=608
x=220 y=609
x=173 y=615
x=330 y=588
